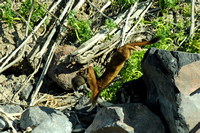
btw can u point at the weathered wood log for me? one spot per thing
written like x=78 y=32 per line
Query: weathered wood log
x=94 y=48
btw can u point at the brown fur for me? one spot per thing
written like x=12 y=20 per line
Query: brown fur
x=113 y=68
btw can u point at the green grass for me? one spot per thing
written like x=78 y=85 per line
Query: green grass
x=109 y=93
x=164 y=4
x=7 y=14
x=133 y=69
x=81 y=28
x=10 y=16
x=192 y=46
x=110 y=24
x=38 y=12
x=124 y=3
x=97 y=71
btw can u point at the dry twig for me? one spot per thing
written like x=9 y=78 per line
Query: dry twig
x=192 y=18
x=44 y=48
x=127 y=20
x=99 y=10
x=105 y=6
x=141 y=16
x=40 y=82
x=29 y=17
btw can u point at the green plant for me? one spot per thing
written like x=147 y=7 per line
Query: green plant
x=172 y=33
x=192 y=45
x=109 y=93
x=38 y=12
x=133 y=70
x=10 y=16
x=110 y=24
x=97 y=71
x=163 y=4
x=81 y=28
x=186 y=8
x=7 y=14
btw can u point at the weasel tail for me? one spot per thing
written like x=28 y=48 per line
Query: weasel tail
x=113 y=68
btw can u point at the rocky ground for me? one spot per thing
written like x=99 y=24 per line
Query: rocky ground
x=164 y=99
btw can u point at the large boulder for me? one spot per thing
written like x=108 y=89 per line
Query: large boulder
x=126 y=118
x=59 y=71
x=172 y=80
x=45 y=120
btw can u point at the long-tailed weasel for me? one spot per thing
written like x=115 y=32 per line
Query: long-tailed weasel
x=113 y=68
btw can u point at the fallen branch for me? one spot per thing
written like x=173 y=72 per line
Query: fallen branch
x=142 y=15
x=105 y=6
x=99 y=10
x=76 y=55
x=79 y=5
x=29 y=18
x=40 y=82
x=26 y=34
x=44 y=48
x=126 y=24
x=3 y=58
x=88 y=50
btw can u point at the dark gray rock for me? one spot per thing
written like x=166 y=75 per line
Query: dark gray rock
x=72 y=116
x=56 y=124
x=43 y=119
x=83 y=115
x=79 y=116
x=9 y=109
x=164 y=80
x=26 y=92
x=131 y=118
x=133 y=91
